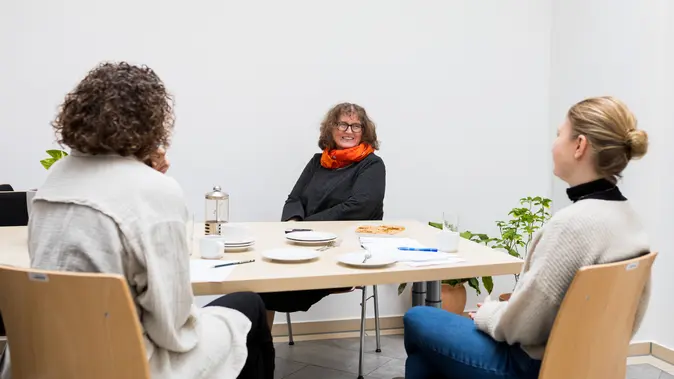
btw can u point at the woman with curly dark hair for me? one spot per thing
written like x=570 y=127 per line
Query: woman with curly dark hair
x=103 y=209
x=346 y=181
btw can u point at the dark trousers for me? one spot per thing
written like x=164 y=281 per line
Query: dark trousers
x=261 y=354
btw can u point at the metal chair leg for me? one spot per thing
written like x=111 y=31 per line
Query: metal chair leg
x=363 y=313
x=290 y=330
x=376 y=319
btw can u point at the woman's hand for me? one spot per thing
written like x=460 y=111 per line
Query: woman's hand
x=472 y=314
x=159 y=161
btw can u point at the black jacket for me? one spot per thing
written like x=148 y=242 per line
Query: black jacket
x=355 y=192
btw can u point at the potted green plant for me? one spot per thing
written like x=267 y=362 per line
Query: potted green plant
x=54 y=155
x=453 y=291
x=516 y=234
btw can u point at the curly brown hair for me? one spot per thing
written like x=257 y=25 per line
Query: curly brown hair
x=117 y=108
x=325 y=141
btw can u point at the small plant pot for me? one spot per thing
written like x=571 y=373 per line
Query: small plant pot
x=454 y=298
x=504 y=296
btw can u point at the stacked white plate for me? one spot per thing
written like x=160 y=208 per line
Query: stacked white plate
x=233 y=245
x=311 y=238
x=291 y=255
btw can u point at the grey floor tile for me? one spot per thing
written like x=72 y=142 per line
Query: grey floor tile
x=329 y=356
x=285 y=368
x=391 y=346
x=665 y=375
x=392 y=369
x=314 y=372
x=643 y=371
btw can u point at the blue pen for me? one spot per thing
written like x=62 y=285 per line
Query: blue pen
x=417 y=249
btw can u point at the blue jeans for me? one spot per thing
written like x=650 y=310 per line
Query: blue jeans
x=440 y=344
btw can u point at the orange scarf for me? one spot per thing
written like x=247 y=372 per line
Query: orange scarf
x=335 y=158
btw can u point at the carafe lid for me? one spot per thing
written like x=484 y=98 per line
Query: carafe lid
x=217 y=194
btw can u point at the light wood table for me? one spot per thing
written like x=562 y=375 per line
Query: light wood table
x=325 y=272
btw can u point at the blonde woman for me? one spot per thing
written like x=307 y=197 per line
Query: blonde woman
x=507 y=339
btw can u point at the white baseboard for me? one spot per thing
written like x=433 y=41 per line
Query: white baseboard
x=328 y=329
x=639 y=348
x=350 y=328
x=663 y=353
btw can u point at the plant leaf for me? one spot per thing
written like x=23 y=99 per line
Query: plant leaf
x=435 y=224
x=57 y=154
x=454 y=282
x=473 y=283
x=47 y=162
x=467 y=234
x=54 y=155
x=488 y=283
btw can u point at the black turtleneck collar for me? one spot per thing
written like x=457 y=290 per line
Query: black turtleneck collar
x=600 y=189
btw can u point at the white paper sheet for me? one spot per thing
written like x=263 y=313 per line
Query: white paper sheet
x=391 y=242
x=201 y=270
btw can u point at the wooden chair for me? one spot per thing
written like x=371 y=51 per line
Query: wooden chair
x=64 y=325
x=592 y=331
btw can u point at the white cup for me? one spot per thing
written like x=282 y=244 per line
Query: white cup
x=448 y=241
x=212 y=247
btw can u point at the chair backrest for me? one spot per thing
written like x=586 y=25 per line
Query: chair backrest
x=13 y=209
x=63 y=325
x=6 y=187
x=591 y=334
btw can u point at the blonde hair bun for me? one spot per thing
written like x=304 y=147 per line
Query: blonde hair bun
x=637 y=143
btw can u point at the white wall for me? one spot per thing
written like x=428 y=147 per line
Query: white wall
x=458 y=89
x=602 y=47
x=660 y=327
x=467 y=96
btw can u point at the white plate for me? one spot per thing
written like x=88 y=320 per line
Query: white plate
x=311 y=243
x=356 y=259
x=311 y=236
x=237 y=249
x=239 y=241
x=291 y=255
x=239 y=245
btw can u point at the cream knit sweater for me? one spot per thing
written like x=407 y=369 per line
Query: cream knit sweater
x=116 y=215
x=585 y=233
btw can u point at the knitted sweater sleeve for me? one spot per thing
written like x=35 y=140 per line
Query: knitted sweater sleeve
x=529 y=315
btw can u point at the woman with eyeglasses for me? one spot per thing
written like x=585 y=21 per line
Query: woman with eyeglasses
x=346 y=181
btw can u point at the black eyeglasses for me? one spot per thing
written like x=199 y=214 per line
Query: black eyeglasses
x=355 y=127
